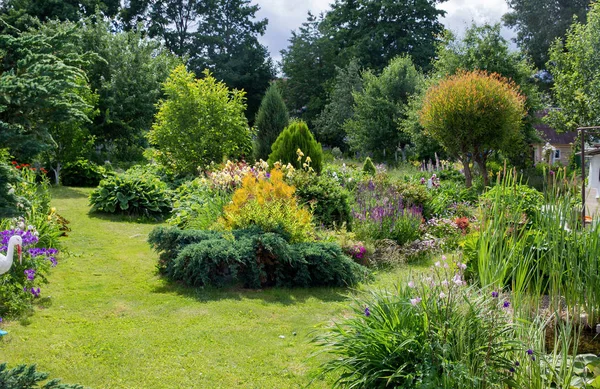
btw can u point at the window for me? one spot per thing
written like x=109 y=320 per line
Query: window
x=556 y=154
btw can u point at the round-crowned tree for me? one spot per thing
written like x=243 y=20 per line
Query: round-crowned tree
x=199 y=122
x=271 y=119
x=296 y=137
x=473 y=114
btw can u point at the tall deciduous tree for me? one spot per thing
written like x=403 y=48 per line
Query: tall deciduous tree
x=63 y=10
x=473 y=114
x=330 y=125
x=540 y=22
x=199 y=122
x=575 y=66
x=379 y=107
x=271 y=119
x=308 y=64
x=375 y=31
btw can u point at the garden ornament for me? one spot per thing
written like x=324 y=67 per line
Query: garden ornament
x=6 y=261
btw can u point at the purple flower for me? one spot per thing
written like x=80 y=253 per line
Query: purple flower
x=35 y=292
x=529 y=351
x=0 y=320
x=367 y=312
x=494 y=294
x=517 y=364
x=506 y=304
x=30 y=273
x=512 y=369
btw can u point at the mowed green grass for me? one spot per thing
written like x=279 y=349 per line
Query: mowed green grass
x=114 y=323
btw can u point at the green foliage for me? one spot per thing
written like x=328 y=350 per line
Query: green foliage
x=83 y=173
x=204 y=116
x=378 y=108
x=329 y=125
x=369 y=167
x=297 y=137
x=518 y=198
x=137 y=193
x=26 y=377
x=271 y=119
x=414 y=194
x=42 y=83
x=325 y=197
x=575 y=67
x=197 y=205
x=414 y=338
x=457 y=113
x=8 y=178
x=530 y=19
x=269 y=204
x=71 y=10
x=252 y=257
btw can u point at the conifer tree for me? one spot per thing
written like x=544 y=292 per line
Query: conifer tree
x=271 y=119
x=297 y=137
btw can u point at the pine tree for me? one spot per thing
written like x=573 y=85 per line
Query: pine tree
x=271 y=119
x=297 y=137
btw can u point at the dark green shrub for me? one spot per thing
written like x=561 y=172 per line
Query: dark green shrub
x=134 y=193
x=271 y=119
x=8 y=177
x=82 y=173
x=328 y=201
x=297 y=136
x=369 y=167
x=26 y=377
x=251 y=257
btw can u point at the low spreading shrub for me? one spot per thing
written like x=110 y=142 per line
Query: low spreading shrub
x=26 y=377
x=328 y=201
x=415 y=337
x=293 y=138
x=251 y=257
x=270 y=204
x=82 y=173
x=136 y=193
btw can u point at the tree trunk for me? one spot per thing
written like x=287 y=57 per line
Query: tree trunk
x=481 y=160
x=56 y=171
x=467 y=169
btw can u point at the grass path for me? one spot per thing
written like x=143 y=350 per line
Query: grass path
x=113 y=323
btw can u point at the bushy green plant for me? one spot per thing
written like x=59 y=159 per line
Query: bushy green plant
x=271 y=119
x=522 y=197
x=415 y=194
x=348 y=176
x=8 y=178
x=325 y=197
x=297 y=137
x=27 y=377
x=369 y=167
x=415 y=337
x=197 y=205
x=251 y=257
x=82 y=173
x=268 y=203
x=136 y=192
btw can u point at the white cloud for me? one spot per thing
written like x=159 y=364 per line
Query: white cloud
x=287 y=15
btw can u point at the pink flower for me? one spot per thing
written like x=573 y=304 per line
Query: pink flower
x=415 y=301
x=411 y=284
x=438 y=264
x=442 y=295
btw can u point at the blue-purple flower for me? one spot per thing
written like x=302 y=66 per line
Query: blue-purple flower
x=506 y=304
x=30 y=273
x=495 y=294
x=367 y=312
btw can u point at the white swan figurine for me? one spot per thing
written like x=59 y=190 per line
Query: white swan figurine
x=7 y=261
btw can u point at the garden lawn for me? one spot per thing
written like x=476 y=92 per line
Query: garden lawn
x=112 y=322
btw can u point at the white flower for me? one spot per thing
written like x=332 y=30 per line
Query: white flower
x=445 y=283
x=411 y=284
x=457 y=280
x=415 y=301
x=446 y=265
x=461 y=265
x=438 y=264
x=443 y=258
x=442 y=295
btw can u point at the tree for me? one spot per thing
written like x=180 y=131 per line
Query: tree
x=128 y=79
x=329 y=125
x=295 y=145
x=472 y=114
x=540 y=22
x=271 y=119
x=41 y=75
x=379 y=107
x=64 y=10
x=308 y=64
x=226 y=43
x=575 y=66
x=484 y=48
x=376 y=31
x=199 y=122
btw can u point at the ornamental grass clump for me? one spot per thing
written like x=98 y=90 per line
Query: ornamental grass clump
x=431 y=332
x=268 y=203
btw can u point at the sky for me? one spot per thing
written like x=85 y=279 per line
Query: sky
x=287 y=15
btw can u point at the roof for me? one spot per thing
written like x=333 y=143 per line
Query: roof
x=549 y=134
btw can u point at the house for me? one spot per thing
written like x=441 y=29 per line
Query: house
x=555 y=147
